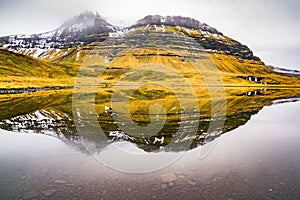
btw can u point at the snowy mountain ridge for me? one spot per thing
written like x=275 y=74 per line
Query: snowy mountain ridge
x=89 y=27
x=76 y=29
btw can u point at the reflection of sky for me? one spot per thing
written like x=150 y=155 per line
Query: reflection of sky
x=16 y=146
x=264 y=25
x=274 y=130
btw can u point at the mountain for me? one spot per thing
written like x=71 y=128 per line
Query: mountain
x=89 y=27
x=172 y=40
x=210 y=38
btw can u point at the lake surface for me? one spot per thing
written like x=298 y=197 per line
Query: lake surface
x=244 y=145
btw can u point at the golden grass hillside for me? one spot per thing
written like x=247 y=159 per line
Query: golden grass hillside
x=21 y=71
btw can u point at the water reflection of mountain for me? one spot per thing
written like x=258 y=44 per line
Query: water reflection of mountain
x=50 y=112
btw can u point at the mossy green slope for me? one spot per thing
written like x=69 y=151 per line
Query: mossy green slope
x=13 y=64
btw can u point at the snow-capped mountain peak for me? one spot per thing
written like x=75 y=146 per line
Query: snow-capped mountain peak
x=71 y=33
x=84 y=20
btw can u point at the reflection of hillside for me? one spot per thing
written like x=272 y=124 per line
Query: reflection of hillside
x=50 y=113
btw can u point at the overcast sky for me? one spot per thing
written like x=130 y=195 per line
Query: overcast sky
x=271 y=28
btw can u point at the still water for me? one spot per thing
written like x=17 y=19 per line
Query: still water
x=252 y=154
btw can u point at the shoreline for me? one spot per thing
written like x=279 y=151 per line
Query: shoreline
x=32 y=89
x=36 y=89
